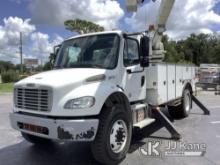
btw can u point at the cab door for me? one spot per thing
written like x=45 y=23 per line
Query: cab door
x=134 y=80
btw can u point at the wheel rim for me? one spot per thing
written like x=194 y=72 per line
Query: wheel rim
x=118 y=136
x=187 y=102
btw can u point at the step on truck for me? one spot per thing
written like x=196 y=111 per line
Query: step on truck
x=102 y=87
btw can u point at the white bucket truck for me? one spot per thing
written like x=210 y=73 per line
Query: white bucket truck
x=101 y=88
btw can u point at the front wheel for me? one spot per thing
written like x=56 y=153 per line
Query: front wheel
x=113 y=137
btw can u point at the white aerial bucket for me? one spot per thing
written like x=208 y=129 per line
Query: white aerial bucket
x=131 y=5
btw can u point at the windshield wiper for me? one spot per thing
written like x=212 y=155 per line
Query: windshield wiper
x=86 y=65
x=57 y=67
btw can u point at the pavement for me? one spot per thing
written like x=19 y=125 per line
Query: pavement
x=197 y=130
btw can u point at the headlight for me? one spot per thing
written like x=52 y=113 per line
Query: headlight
x=79 y=103
x=96 y=78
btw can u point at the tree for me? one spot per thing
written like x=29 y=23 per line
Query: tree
x=18 y=67
x=82 y=26
x=216 y=54
x=197 y=48
x=171 y=54
x=6 y=66
x=47 y=66
x=39 y=68
x=52 y=59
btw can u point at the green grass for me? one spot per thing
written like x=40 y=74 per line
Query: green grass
x=6 y=88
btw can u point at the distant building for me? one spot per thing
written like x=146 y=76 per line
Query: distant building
x=31 y=62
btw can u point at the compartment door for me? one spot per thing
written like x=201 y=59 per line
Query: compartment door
x=179 y=81
x=162 y=83
x=171 y=80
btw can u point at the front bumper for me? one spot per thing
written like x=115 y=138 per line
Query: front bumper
x=74 y=130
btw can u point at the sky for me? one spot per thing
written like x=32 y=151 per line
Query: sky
x=41 y=21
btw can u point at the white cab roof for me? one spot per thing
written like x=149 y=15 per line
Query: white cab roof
x=97 y=33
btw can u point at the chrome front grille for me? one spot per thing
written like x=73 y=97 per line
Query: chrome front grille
x=33 y=99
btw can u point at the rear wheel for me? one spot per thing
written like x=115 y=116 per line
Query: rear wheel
x=184 y=108
x=113 y=137
x=34 y=139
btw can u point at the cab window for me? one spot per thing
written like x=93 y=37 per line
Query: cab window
x=131 y=52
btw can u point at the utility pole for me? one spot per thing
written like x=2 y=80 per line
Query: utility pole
x=21 y=53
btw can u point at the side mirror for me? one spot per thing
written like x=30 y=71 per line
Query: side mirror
x=145 y=51
x=56 y=53
x=53 y=55
x=56 y=49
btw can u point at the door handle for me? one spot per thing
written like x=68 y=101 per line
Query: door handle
x=142 y=81
x=129 y=71
x=132 y=70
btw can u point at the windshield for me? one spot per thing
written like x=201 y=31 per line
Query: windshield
x=100 y=51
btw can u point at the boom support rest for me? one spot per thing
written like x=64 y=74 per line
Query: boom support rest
x=159 y=116
x=203 y=108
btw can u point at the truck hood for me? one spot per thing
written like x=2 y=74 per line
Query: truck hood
x=61 y=77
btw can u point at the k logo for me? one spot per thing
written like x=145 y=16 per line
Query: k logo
x=151 y=149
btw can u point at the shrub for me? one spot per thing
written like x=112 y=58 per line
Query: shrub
x=9 y=76
x=22 y=77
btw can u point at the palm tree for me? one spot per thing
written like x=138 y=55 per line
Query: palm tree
x=82 y=26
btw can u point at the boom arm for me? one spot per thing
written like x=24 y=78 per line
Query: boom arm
x=156 y=48
x=164 y=12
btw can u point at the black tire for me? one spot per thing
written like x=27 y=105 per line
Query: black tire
x=34 y=139
x=182 y=110
x=101 y=147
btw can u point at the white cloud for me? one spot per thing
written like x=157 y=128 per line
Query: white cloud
x=103 y=12
x=35 y=44
x=58 y=39
x=188 y=16
x=10 y=32
x=10 y=35
x=41 y=46
x=40 y=42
